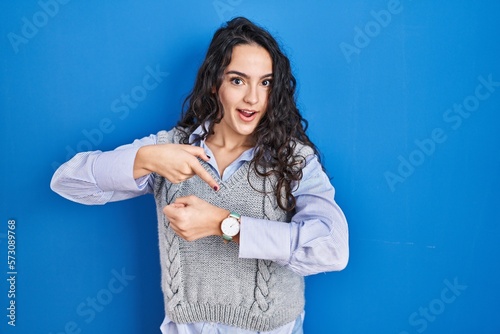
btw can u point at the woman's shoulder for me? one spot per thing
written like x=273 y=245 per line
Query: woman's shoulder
x=172 y=136
x=302 y=150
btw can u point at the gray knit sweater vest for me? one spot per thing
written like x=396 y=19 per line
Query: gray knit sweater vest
x=204 y=280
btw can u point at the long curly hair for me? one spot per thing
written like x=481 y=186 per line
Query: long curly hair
x=281 y=127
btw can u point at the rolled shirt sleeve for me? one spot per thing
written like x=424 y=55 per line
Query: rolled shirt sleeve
x=316 y=240
x=100 y=177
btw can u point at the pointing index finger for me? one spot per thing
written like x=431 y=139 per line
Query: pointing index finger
x=203 y=174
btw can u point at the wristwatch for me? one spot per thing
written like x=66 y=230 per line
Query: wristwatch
x=230 y=226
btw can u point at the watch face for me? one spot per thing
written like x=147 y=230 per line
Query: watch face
x=230 y=226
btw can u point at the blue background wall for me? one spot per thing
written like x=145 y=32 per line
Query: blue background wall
x=403 y=100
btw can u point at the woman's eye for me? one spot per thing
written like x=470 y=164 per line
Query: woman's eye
x=266 y=83
x=237 y=81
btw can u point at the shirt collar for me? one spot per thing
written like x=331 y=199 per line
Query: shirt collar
x=195 y=136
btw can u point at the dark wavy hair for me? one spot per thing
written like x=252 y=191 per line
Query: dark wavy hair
x=281 y=127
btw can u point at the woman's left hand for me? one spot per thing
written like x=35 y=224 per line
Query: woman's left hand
x=193 y=218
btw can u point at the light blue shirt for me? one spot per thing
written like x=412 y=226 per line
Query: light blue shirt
x=316 y=240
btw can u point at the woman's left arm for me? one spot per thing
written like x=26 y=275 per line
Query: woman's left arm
x=317 y=238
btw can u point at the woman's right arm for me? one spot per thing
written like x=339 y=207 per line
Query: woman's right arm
x=100 y=177
x=126 y=172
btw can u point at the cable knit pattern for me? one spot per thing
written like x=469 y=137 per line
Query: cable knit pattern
x=262 y=288
x=205 y=280
x=173 y=275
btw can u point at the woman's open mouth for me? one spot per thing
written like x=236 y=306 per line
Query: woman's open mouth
x=247 y=115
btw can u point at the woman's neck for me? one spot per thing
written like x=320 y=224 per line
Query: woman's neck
x=228 y=140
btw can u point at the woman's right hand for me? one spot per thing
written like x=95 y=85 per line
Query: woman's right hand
x=175 y=162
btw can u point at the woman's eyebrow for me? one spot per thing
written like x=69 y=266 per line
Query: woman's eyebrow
x=243 y=75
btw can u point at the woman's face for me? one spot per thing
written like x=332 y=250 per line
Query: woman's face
x=245 y=89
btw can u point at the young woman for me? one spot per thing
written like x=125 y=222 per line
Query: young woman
x=245 y=209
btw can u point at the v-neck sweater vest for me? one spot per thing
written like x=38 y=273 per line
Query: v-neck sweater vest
x=205 y=280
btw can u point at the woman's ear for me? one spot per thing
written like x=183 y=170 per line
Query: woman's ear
x=214 y=90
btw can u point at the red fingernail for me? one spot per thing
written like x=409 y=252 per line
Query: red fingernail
x=216 y=188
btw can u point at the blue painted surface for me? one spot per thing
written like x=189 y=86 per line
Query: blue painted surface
x=403 y=99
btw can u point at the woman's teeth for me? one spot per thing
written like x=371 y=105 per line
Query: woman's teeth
x=247 y=113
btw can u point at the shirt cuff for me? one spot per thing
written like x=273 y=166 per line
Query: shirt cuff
x=113 y=170
x=264 y=239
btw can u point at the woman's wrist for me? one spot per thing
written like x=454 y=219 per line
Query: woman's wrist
x=141 y=166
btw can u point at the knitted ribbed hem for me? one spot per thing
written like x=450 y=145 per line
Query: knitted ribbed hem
x=234 y=316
